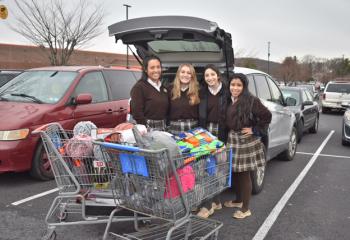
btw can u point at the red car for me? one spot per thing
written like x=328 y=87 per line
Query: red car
x=66 y=94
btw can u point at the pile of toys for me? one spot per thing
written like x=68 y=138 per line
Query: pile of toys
x=196 y=143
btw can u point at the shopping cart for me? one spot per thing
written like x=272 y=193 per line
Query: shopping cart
x=83 y=179
x=153 y=183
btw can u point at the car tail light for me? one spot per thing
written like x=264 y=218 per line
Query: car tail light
x=324 y=96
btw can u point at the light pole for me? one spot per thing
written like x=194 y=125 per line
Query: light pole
x=127 y=46
x=268 y=57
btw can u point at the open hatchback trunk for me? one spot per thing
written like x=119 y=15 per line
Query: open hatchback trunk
x=176 y=40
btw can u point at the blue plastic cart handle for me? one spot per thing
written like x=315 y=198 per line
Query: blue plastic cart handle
x=120 y=147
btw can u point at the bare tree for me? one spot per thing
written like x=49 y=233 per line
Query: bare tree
x=289 y=70
x=52 y=25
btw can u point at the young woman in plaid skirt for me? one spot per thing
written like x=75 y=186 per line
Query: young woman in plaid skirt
x=149 y=98
x=211 y=116
x=184 y=100
x=245 y=116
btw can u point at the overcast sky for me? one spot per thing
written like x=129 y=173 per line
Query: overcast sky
x=294 y=27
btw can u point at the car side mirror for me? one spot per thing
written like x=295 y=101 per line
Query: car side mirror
x=83 y=98
x=290 y=101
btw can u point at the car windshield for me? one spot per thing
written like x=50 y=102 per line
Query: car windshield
x=293 y=94
x=38 y=86
x=163 y=46
x=310 y=87
x=339 y=87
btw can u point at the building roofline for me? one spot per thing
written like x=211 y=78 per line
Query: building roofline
x=33 y=46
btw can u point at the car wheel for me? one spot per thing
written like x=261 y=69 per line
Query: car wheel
x=41 y=167
x=289 y=153
x=314 y=127
x=300 y=128
x=325 y=110
x=258 y=177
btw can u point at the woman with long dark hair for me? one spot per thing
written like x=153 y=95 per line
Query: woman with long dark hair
x=246 y=116
x=149 y=98
x=212 y=104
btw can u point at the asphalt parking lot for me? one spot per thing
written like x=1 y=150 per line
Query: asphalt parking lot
x=306 y=198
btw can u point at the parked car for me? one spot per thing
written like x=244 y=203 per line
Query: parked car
x=7 y=75
x=346 y=124
x=179 y=39
x=66 y=94
x=312 y=89
x=306 y=110
x=334 y=94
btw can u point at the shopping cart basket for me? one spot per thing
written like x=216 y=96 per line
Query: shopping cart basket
x=83 y=179
x=153 y=183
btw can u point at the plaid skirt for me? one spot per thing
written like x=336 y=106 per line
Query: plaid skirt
x=213 y=128
x=182 y=125
x=248 y=152
x=156 y=124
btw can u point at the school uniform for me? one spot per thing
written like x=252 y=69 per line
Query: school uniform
x=182 y=115
x=149 y=104
x=248 y=149
x=212 y=109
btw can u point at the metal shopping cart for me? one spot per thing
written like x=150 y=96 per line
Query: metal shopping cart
x=153 y=183
x=83 y=178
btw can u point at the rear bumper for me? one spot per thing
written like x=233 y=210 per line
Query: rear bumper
x=334 y=105
x=16 y=156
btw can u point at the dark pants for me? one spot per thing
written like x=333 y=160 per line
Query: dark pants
x=242 y=184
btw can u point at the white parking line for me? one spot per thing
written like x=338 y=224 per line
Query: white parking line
x=323 y=155
x=270 y=220
x=34 y=197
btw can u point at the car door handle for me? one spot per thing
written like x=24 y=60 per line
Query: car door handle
x=109 y=110
x=121 y=109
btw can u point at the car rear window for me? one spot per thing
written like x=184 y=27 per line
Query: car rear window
x=164 y=46
x=121 y=82
x=339 y=87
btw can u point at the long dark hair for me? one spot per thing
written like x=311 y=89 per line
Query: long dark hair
x=145 y=65
x=241 y=114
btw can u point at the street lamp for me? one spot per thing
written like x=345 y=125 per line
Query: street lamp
x=268 y=57
x=127 y=46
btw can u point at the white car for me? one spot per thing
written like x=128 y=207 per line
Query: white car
x=334 y=94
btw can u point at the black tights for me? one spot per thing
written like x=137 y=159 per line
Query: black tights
x=242 y=183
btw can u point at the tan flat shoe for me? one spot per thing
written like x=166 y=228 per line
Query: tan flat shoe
x=231 y=204
x=205 y=213
x=216 y=206
x=241 y=215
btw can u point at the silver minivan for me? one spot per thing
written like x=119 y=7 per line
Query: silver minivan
x=180 y=39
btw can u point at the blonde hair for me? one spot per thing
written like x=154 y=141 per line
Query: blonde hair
x=193 y=91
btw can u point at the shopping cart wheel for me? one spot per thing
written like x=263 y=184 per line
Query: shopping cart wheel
x=50 y=235
x=62 y=215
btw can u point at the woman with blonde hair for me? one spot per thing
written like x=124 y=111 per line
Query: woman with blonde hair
x=184 y=100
